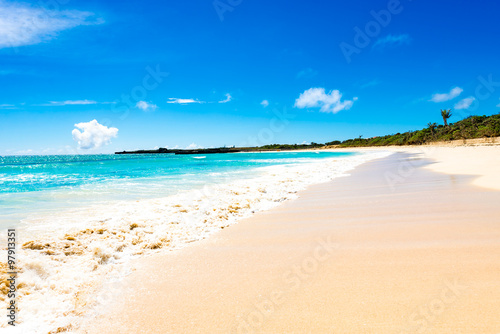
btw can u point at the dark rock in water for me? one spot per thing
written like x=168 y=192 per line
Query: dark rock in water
x=265 y=148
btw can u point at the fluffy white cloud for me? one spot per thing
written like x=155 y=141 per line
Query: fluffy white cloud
x=93 y=135
x=327 y=102
x=227 y=99
x=265 y=103
x=465 y=103
x=193 y=146
x=183 y=101
x=25 y=24
x=144 y=106
x=447 y=96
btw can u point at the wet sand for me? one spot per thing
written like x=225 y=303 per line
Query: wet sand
x=480 y=161
x=393 y=248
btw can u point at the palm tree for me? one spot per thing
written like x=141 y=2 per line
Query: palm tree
x=432 y=127
x=445 y=114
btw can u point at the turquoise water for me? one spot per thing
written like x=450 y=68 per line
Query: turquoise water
x=31 y=184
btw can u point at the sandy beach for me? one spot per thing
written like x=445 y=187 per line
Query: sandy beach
x=478 y=160
x=405 y=244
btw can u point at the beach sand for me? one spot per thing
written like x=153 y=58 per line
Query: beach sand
x=482 y=162
x=394 y=248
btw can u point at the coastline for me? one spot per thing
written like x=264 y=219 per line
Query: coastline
x=249 y=168
x=357 y=254
x=481 y=160
x=65 y=268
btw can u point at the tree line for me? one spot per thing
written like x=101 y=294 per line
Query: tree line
x=468 y=128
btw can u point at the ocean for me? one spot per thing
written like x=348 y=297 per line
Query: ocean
x=81 y=219
x=30 y=185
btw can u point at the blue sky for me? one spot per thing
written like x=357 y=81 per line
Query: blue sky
x=237 y=72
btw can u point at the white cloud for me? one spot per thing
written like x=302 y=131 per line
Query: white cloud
x=318 y=98
x=265 y=103
x=227 y=99
x=183 y=101
x=465 y=103
x=25 y=24
x=7 y=106
x=173 y=100
x=447 y=96
x=70 y=103
x=25 y=152
x=392 y=40
x=193 y=146
x=144 y=106
x=93 y=135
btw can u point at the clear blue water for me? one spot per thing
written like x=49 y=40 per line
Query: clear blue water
x=30 y=184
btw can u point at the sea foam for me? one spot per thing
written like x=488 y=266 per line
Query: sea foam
x=66 y=257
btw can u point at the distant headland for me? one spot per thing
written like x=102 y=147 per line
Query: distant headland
x=275 y=147
x=472 y=127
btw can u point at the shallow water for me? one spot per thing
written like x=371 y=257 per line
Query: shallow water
x=81 y=219
x=33 y=184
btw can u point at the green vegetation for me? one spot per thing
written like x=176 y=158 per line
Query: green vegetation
x=274 y=147
x=446 y=114
x=468 y=128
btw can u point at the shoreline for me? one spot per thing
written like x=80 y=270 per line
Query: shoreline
x=66 y=269
x=481 y=161
x=379 y=262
